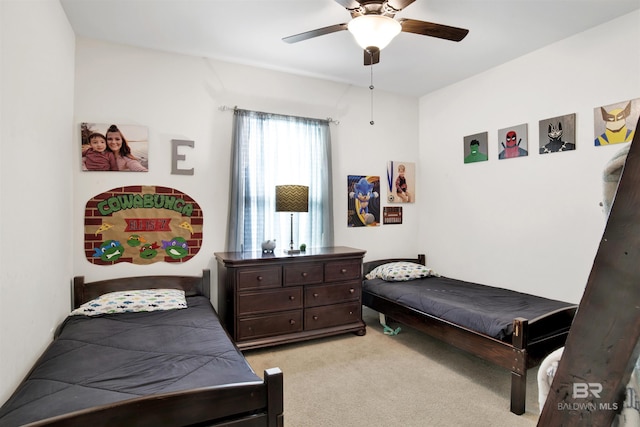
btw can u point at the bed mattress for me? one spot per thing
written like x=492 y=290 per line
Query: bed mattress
x=484 y=309
x=105 y=359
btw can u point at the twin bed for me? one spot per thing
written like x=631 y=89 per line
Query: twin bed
x=510 y=329
x=145 y=358
x=169 y=362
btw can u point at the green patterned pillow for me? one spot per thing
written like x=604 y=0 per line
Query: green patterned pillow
x=400 y=271
x=133 y=301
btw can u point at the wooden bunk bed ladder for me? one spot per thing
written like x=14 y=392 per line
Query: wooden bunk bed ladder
x=601 y=348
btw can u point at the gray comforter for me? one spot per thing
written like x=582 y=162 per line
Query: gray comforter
x=105 y=359
x=485 y=309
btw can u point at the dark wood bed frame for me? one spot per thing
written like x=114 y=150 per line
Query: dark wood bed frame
x=532 y=340
x=244 y=404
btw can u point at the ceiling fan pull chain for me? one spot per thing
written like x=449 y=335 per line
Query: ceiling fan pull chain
x=371 y=88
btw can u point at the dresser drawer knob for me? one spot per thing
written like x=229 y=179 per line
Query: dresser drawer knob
x=351 y=290
x=315 y=317
x=259 y=278
x=292 y=297
x=343 y=271
x=315 y=295
x=304 y=274
x=292 y=322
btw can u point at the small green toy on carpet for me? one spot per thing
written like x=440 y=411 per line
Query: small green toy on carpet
x=386 y=329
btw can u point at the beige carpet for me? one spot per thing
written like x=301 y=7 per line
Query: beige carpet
x=387 y=381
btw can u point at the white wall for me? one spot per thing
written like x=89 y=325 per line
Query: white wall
x=531 y=224
x=35 y=177
x=179 y=97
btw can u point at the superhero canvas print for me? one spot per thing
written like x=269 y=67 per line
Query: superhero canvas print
x=476 y=147
x=513 y=142
x=557 y=134
x=614 y=123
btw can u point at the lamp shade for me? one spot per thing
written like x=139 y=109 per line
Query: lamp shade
x=374 y=30
x=292 y=198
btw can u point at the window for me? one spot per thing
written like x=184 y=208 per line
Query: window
x=270 y=150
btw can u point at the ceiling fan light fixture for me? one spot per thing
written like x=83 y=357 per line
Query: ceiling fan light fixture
x=374 y=30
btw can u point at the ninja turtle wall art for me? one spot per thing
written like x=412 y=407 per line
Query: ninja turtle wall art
x=364 y=201
x=142 y=225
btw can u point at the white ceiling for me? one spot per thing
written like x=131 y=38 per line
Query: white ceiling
x=250 y=32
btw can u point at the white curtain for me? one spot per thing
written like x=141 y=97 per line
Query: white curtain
x=270 y=150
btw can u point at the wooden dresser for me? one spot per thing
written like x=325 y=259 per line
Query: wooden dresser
x=272 y=299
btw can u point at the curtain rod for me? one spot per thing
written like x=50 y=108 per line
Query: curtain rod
x=235 y=107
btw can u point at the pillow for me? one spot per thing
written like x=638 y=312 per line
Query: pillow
x=133 y=301
x=400 y=271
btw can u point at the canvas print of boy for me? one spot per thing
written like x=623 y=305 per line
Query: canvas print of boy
x=401 y=179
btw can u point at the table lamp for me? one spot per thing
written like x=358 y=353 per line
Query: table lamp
x=292 y=198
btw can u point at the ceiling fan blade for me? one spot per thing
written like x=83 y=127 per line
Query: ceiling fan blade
x=399 y=4
x=371 y=57
x=348 y=4
x=315 y=33
x=434 y=30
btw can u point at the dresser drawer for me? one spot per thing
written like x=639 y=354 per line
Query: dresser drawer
x=331 y=294
x=302 y=274
x=268 y=301
x=332 y=315
x=336 y=271
x=269 y=325
x=259 y=278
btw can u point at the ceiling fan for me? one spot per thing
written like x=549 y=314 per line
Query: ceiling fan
x=373 y=25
